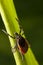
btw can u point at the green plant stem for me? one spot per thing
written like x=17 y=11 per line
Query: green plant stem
x=8 y=14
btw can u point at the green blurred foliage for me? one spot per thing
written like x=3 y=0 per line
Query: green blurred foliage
x=30 y=13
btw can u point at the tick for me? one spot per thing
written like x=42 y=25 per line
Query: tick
x=22 y=44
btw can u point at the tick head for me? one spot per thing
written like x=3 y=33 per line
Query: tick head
x=16 y=35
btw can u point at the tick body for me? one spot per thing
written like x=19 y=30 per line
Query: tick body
x=22 y=43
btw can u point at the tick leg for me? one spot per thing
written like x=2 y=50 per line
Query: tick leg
x=8 y=34
x=22 y=56
x=21 y=31
x=14 y=49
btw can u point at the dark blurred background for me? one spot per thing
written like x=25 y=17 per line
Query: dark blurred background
x=30 y=13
